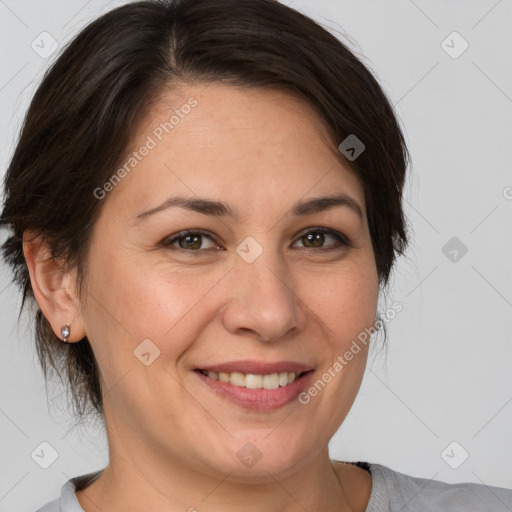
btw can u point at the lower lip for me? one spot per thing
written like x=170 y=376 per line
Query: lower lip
x=258 y=399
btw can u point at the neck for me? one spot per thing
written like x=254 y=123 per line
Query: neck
x=166 y=483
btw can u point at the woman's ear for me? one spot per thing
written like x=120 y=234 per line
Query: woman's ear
x=54 y=287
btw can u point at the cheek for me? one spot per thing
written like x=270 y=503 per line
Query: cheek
x=345 y=302
x=135 y=301
x=138 y=299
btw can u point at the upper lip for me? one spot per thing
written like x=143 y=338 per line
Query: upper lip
x=257 y=367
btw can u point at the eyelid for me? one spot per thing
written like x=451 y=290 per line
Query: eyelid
x=342 y=239
x=169 y=240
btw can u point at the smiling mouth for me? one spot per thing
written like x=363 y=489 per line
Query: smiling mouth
x=255 y=381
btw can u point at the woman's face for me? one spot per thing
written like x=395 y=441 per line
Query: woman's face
x=251 y=294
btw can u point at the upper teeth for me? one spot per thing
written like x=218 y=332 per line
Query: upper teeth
x=252 y=381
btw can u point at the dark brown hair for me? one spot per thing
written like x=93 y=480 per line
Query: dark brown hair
x=88 y=106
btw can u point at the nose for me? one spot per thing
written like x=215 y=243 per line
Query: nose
x=263 y=300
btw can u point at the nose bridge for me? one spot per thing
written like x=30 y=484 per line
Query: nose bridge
x=262 y=268
x=265 y=299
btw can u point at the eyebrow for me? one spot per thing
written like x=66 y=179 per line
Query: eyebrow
x=219 y=209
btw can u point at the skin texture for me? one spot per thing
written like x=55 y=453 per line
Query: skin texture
x=173 y=442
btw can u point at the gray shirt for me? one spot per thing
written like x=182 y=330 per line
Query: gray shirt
x=391 y=492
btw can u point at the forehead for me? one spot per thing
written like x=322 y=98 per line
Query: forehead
x=219 y=140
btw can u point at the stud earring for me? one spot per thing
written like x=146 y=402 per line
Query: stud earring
x=65 y=333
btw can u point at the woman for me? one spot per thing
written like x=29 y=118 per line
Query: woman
x=205 y=201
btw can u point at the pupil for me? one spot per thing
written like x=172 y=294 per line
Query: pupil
x=315 y=238
x=318 y=236
x=195 y=238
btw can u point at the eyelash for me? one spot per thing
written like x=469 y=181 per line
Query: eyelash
x=342 y=240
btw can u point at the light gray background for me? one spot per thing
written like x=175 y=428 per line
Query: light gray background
x=447 y=376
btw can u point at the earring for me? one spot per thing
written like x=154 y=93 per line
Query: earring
x=65 y=333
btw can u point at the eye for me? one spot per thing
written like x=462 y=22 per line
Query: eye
x=192 y=240
x=316 y=236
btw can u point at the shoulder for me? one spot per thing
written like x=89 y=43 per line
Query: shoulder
x=67 y=501
x=52 y=506
x=393 y=491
